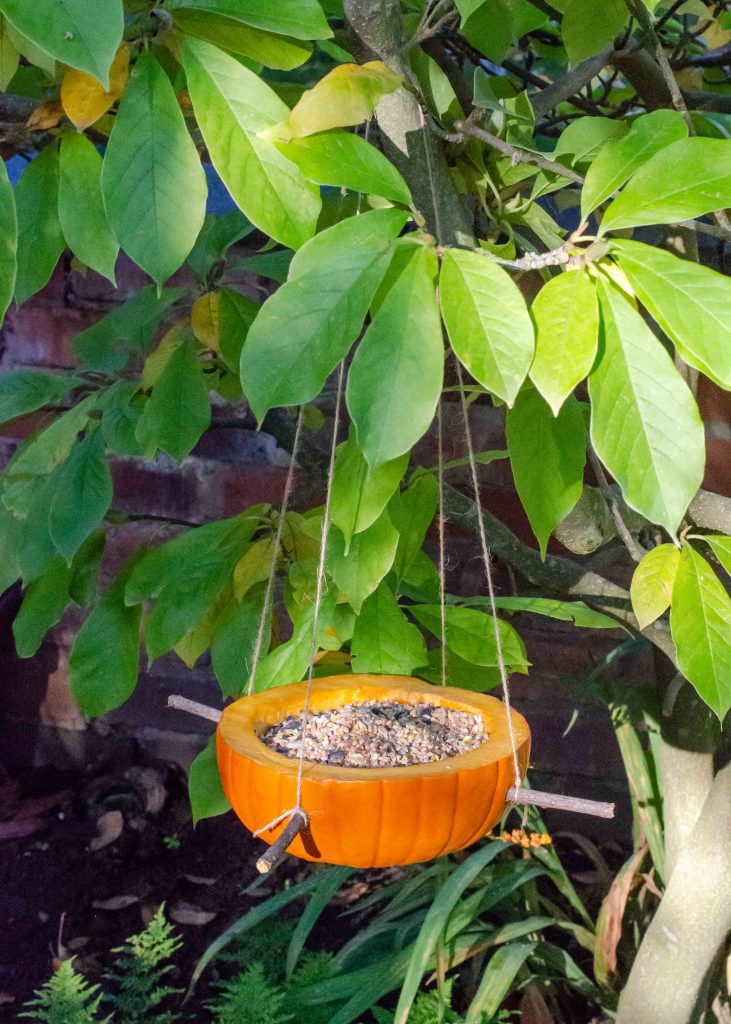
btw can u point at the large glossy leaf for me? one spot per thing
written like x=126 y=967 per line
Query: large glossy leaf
x=82 y=496
x=205 y=791
x=652 y=583
x=81 y=33
x=305 y=329
x=303 y=20
x=699 y=620
x=645 y=424
x=547 y=454
x=489 y=326
x=412 y=511
x=152 y=179
x=686 y=179
x=104 y=660
x=384 y=641
x=234 y=641
x=40 y=239
x=44 y=602
x=232 y=106
x=344 y=159
x=81 y=207
x=566 y=317
x=370 y=556
x=358 y=496
x=620 y=158
x=691 y=303
x=27 y=390
x=471 y=635
x=271 y=50
x=721 y=546
x=346 y=96
x=179 y=410
x=395 y=379
x=589 y=26
x=8 y=241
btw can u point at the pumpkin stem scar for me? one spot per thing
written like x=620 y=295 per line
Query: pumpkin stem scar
x=271 y=857
x=556 y=801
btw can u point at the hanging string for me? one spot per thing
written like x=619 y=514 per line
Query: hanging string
x=269 y=592
x=488 y=573
x=440 y=529
x=298 y=810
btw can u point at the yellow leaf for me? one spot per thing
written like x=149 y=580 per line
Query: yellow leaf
x=85 y=99
x=651 y=589
x=158 y=360
x=46 y=115
x=346 y=96
x=204 y=320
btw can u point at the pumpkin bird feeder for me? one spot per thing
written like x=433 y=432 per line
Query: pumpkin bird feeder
x=398 y=812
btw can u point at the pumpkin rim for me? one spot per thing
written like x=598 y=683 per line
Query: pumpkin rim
x=243 y=721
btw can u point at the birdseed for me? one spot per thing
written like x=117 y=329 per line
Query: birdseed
x=379 y=734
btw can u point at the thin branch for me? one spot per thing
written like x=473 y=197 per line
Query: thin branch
x=716 y=231
x=643 y=16
x=271 y=857
x=636 y=551
x=516 y=155
x=559 y=802
x=711 y=59
x=16 y=108
x=564 y=88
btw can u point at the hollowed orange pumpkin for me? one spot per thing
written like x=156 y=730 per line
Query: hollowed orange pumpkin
x=369 y=817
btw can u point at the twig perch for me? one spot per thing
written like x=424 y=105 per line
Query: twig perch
x=180 y=703
x=558 y=802
x=271 y=857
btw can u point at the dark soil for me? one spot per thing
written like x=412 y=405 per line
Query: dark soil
x=58 y=890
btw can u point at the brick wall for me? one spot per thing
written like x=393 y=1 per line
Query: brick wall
x=231 y=468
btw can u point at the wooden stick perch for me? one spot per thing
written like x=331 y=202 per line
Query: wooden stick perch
x=558 y=802
x=180 y=703
x=271 y=857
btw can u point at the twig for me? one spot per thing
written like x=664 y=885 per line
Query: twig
x=636 y=551
x=558 y=802
x=271 y=857
x=711 y=59
x=517 y=156
x=564 y=88
x=180 y=703
x=643 y=16
x=716 y=231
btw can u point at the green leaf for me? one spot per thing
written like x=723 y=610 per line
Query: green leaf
x=44 y=602
x=369 y=557
x=303 y=20
x=122 y=411
x=620 y=158
x=645 y=425
x=699 y=621
x=384 y=641
x=471 y=635
x=178 y=410
x=40 y=239
x=488 y=25
x=207 y=798
x=651 y=589
x=236 y=314
x=151 y=163
x=81 y=207
x=435 y=922
x=232 y=106
x=497 y=980
x=8 y=240
x=9 y=56
x=583 y=139
x=721 y=547
x=234 y=640
x=686 y=179
x=412 y=511
x=489 y=326
x=589 y=26
x=85 y=569
x=104 y=660
x=108 y=344
x=84 y=34
x=25 y=391
x=690 y=302
x=308 y=325
x=395 y=379
x=547 y=455
x=567 y=611
x=566 y=317
x=344 y=159
x=358 y=497
x=273 y=51
x=289 y=662
x=82 y=496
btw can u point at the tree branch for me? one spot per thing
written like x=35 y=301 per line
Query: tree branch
x=636 y=551
x=711 y=511
x=643 y=16
x=516 y=155
x=573 y=82
x=16 y=109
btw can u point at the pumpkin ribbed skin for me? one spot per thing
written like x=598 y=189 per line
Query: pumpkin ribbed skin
x=369 y=817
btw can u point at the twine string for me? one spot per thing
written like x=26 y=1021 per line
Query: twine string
x=488 y=573
x=268 y=593
x=442 y=559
